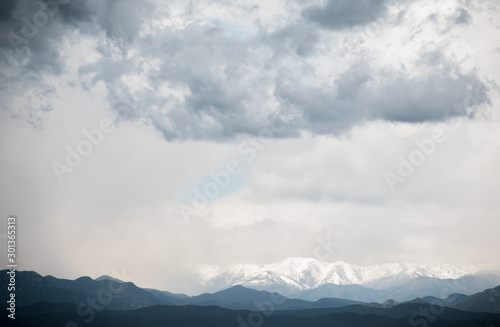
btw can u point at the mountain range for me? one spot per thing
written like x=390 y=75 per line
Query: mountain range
x=486 y=301
x=43 y=314
x=49 y=315
x=309 y=273
x=32 y=287
x=106 y=301
x=118 y=295
x=311 y=279
x=113 y=294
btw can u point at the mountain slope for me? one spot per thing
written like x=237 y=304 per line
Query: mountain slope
x=57 y=315
x=397 y=312
x=487 y=301
x=451 y=299
x=239 y=297
x=114 y=294
x=310 y=279
x=242 y=298
x=295 y=275
x=350 y=292
x=418 y=287
x=32 y=287
x=177 y=299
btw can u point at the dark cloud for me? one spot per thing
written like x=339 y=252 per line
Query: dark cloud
x=436 y=96
x=210 y=68
x=121 y=19
x=363 y=94
x=340 y=14
x=32 y=32
x=198 y=82
x=29 y=25
x=32 y=35
x=350 y=83
x=6 y=9
x=76 y=11
x=300 y=39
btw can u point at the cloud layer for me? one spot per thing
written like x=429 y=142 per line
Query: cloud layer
x=197 y=77
x=316 y=102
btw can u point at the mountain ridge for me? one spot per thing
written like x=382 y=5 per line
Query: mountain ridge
x=208 y=316
x=293 y=276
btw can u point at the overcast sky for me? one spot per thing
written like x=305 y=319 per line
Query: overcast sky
x=248 y=132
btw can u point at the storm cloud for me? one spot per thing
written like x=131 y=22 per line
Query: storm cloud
x=199 y=80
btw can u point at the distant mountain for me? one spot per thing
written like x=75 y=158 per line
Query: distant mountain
x=351 y=292
x=242 y=298
x=441 y=288
x=239 y=297
x=311 y=280
x=32 y=287
x=454 y=298
x=451 y=299
x=418 y=287
x=177 y=299
x=399 y=311
x=487 y=301
x=209 y=316
x=162 y=295
x=113 y=294
x=386 y=304
x=106 y=277
x=295 y=275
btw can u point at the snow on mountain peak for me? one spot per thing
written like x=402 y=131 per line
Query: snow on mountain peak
x=307 y=273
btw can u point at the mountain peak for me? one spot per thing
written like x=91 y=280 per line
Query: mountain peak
x=297 y=274
x=107 y=277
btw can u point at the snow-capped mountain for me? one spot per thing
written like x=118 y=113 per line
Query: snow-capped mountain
x=295 y=275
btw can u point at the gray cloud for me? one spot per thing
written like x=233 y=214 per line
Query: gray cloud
x=32 y=37
x=223 y=102
x=463 y=17
x=6 y=9
x=297 y=38
x=340 y=14
x=363 y=93
x=208 y=84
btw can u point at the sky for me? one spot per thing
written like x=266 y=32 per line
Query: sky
x=141 y=138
